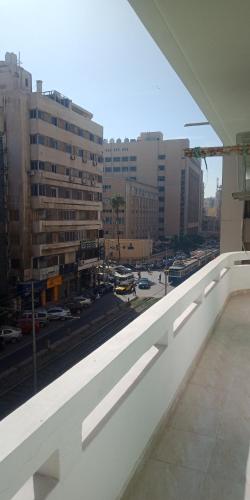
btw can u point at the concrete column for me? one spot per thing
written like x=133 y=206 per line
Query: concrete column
x=231 y=210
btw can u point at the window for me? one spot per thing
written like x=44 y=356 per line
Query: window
x=161 y=178
x=41 y=165
x=132 y=178
x=132 y=169
x=91 y=137
x=53 y=143
x=161 y=188
x=117 y=158
x=53 y=168
x=161 y=167
x=124 y=169
x=161 y=198
x=67 y=171
x=161 y=209
x=125 y=158
x=108 y=169
x=54 y=120
x=33 y=113
x=33 y=139
x=34 y=165
x=161 y=220
x=161 y=157
x=108 y=158
x=132 y=158
x=41 y=139
x=34 y=189
x=42 y=189
x=26 y=82
x=116 y=169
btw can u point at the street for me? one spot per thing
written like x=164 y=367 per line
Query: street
x=89 y=340
x=156 y=290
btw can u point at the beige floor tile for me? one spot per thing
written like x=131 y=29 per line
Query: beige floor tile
x=230 y=459
x=195 y=418
x=184 y=448
x=232 y=426
x=224 y=490
x=215 y=378
x=206 y=397
x=160 y=481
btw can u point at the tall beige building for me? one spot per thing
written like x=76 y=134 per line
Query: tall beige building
x=138 y=218
x=54 y=164
x=161 y=163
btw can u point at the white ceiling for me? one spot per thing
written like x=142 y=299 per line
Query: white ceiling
x=207 y=42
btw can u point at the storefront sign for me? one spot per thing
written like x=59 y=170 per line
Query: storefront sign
x=55 y=281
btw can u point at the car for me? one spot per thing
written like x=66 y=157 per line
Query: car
x=74 y=306
x=25 y=324
x=105 y=288
x=10 y=334
x=83 y=300
x=58 y=313
x=40 y=315
x=144 y=283
x=128 y=288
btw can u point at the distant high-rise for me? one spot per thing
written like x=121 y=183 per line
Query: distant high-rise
x=161 y=164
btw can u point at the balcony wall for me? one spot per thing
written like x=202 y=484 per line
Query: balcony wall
x=83 y=435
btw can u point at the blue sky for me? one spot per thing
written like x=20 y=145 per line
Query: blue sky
x=99 y=54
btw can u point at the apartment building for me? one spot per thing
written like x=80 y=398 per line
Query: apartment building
x=161 y=163
x=54 y=163
x=138 y=218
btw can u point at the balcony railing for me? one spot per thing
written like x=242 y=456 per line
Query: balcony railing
x=83 y=435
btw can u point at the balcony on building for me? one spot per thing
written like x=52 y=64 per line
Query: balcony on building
x=159 y=411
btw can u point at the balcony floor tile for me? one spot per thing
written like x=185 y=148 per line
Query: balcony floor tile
x=203 y=452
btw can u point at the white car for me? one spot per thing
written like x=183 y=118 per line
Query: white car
x=10 y=334
x=58 y=313
x=84 y=301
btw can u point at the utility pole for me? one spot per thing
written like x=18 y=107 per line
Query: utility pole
x=34 y=339
x=166 y=280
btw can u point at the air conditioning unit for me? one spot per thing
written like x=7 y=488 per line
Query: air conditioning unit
x=72 y=157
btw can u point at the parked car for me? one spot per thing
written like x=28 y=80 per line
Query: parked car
x=144 y=283
x=58 y=313
x=25 y=324
x=105 y=288
x=74 y=306
x=128 y=288
x=10 y=334
x=83 y=301
x=41 y=316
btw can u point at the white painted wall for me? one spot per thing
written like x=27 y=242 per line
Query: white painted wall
x=121 y=392
x=231 y=210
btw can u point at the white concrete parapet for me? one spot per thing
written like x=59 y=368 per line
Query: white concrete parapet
x=82 y=436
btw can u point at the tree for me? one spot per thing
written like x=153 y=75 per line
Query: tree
x=117 y=202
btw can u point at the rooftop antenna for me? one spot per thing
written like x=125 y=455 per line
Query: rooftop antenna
x=19 y=62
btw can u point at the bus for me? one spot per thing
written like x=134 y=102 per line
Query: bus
x=124 y=279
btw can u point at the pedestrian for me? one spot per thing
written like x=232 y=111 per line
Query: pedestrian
x=134 y=291
x=159 y=278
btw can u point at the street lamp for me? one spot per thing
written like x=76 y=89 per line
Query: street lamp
x=34 y=339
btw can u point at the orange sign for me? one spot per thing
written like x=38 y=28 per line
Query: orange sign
x=55 y=281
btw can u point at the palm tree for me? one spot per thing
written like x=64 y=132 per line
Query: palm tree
x=117 y=202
